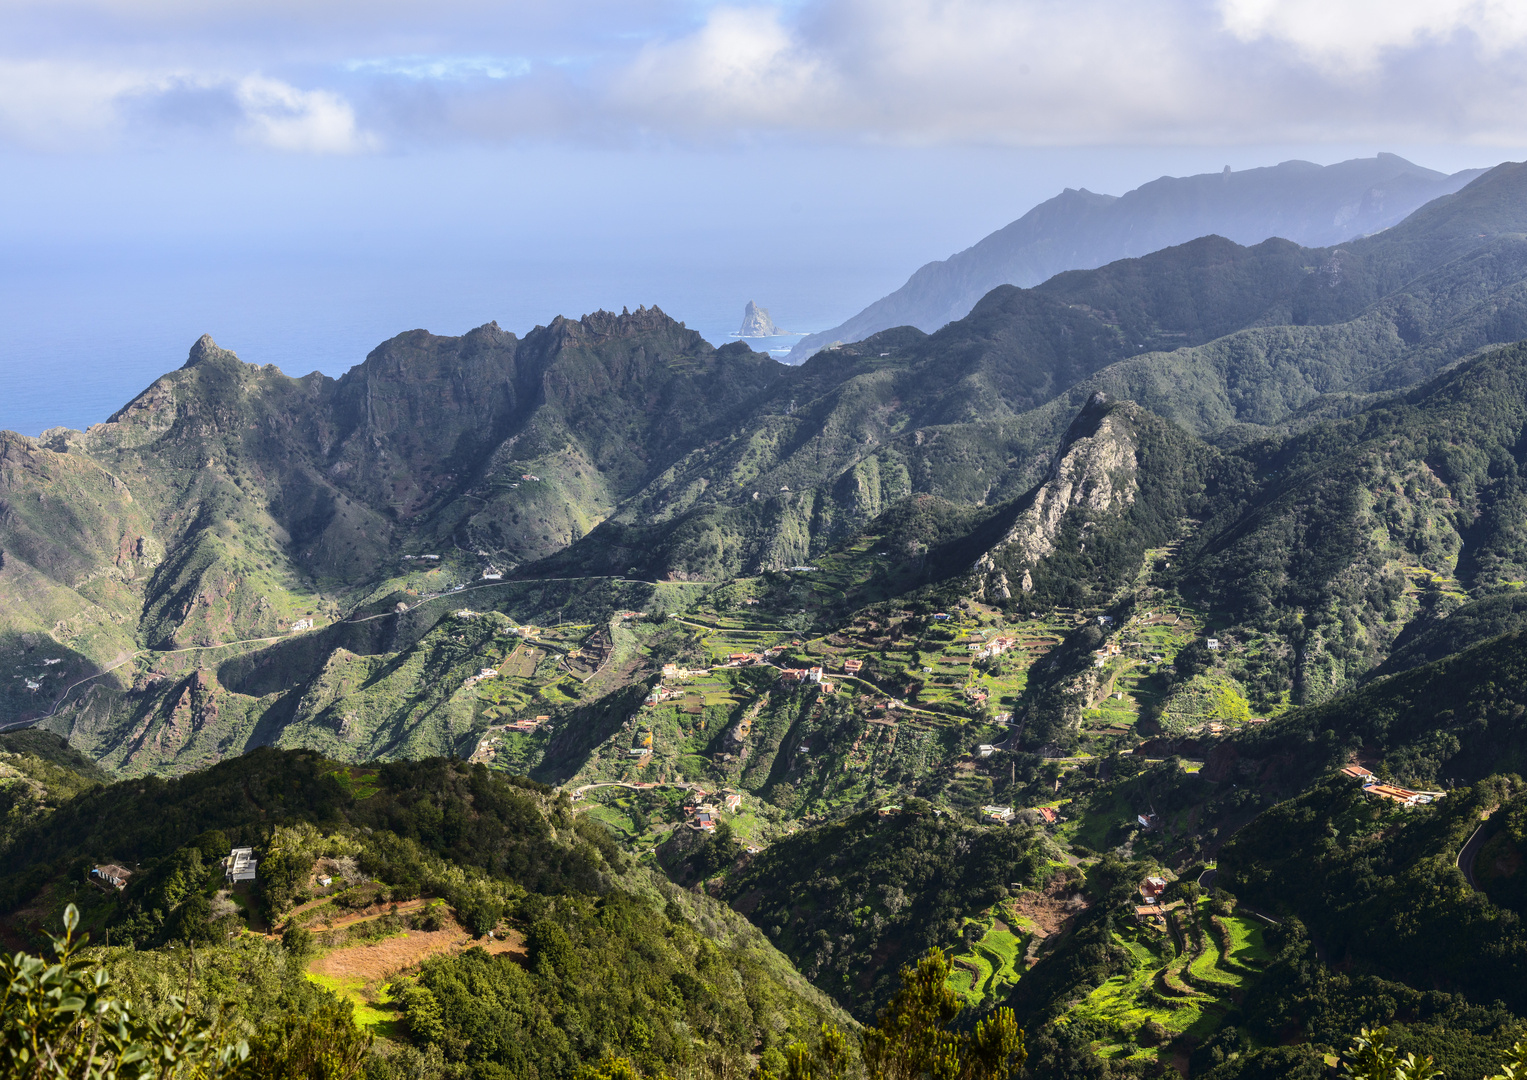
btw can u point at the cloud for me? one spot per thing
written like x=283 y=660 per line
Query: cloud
x=283 y=117
x=1358 y=33
x=331 y=75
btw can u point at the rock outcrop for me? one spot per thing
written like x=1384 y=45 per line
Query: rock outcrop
x=1096 y=470
x=756 y=323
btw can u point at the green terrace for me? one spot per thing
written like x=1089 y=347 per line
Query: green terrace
x=1187 y=968
x=992 y=961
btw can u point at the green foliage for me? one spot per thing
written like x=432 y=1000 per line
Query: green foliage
x=911 y=1039
x=58 y=1020
x=878 y=891
x=606 y=978
x=322 y=1043
x=1372 y=1058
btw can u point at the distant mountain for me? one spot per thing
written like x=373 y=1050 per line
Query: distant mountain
x=1312 y=205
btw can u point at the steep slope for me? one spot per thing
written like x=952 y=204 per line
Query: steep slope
x=1298 y=201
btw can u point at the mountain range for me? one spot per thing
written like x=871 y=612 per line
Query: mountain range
x=1313 y=205
x=1148 y=641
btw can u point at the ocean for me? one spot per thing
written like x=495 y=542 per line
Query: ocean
x=83 y=336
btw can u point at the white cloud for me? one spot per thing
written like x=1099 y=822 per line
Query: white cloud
x=742 y=68
x=63 y=104
x=1360 y=32
x=283 y=117
x=332 y=73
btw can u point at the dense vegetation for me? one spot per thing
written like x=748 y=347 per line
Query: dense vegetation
x=852 y=902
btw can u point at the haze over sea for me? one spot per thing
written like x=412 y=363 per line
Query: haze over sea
x=107 y=275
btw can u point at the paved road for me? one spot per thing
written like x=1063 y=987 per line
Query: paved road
x=1470 y=852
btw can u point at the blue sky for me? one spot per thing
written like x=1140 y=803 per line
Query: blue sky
x=338 y=171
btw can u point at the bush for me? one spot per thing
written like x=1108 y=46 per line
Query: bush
x=61 y=1013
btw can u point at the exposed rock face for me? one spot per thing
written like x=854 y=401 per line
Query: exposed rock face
x=756 y=323
x=1096 y=470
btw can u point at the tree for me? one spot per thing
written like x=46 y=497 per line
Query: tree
x=319 y=1043
x=59 y=1022
x=912 y=1040
x=1372 y=1058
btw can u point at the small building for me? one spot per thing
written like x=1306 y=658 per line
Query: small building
x=1148 y=822
x=939 y=616
x=889 y=811
x=1403 y=796
x=814 y=674
x=492 y=574
x=997 y=813
x=324 y=881
x=1357 y=772
x=112 y=874
x=706 y=820
x=1003 y=718
x=733 y=802
x=1152 y=888
x=240 y=865
x=852 y=666
x=986 y=750
x=1148 y=915
x=1213 y=644
x=827 y=687
x=1105 y=620
x=488 y=673
x=1049 y=814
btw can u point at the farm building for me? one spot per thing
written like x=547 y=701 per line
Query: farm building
x=112 y=874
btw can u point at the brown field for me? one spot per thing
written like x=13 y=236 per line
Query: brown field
x=379 y=960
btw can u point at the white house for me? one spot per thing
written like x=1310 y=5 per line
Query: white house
x=240 y=865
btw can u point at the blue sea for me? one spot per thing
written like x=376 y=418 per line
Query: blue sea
x=84 y=335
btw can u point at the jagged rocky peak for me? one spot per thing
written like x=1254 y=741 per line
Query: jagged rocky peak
x=206 y=349
x=1096 y=470
x=756 y=322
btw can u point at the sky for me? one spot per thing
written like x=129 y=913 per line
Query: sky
x=304 y=179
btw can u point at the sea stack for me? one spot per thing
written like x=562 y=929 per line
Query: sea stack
x=756 y=323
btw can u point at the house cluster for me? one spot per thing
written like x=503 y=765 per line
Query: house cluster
x=673 y=671
x=743 y=659
x=527 y=725
x=1101 y=656
x=528 y=632
x=811 y=674
x=703 y=814
x=240 y=865
x=995 y=647
x=1373 y=787
x=111 y=874
x=1149 y=910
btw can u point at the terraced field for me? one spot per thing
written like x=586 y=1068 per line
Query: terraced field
x=1187 y=994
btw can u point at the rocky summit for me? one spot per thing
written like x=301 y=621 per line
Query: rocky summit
x=1127 y=676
